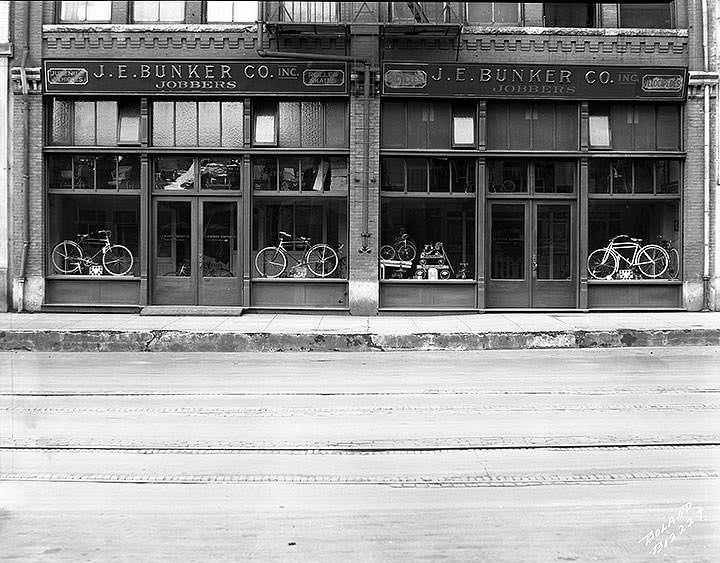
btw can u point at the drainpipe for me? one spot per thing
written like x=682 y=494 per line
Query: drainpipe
x=26 y=163
x=706 y=167
x=366 y=118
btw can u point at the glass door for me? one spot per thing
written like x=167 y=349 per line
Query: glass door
x=553 y=263
x=196 y=252
x=508 y=284
x=531 y=255
x=219 y=279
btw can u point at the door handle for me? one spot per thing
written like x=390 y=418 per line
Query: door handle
x=533 y=262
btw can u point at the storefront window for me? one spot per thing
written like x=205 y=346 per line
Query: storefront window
x=648 y=15
x=93 y=235
x=507 y=176
x=231 y=12
x=157 y=12
x=93 y=172
x=192 y=124
x=85 y=12
x=493 y=13
x=94 y=122
x=427 y=239
x=298 y=236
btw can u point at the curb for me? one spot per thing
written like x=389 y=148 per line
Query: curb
x=187 y=341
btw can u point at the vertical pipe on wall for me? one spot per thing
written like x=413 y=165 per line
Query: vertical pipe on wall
x=706 y=164
x=366 y=162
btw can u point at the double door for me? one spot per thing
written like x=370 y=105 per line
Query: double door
x=531 y=254
x=196 y=257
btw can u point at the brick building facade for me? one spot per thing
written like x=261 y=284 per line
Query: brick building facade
x=363 y=156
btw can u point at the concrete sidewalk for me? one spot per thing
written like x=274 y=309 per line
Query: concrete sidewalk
x=283 y=332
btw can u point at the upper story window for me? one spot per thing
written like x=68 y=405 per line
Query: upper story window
x=158 y=12
x=493 y=13
x=648 y=15
x=309 y=12
x=422 y=12
x=85 y=11
x=231 y=12
x=570 y=14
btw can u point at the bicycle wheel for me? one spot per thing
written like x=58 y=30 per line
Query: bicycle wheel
x=270 y=262
x=406 y=251
x=66 y=257
x=387 y=252
x=322 y=260
x=673 y=264
x=602 y=264
x=118 y=260
x=652 y=260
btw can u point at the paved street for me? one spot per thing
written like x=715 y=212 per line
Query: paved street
x=544 y=455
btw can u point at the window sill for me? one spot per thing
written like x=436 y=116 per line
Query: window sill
x=434 y=282
x=298 y=280
x=575 y=31
x=92 y=278
x=635 y=282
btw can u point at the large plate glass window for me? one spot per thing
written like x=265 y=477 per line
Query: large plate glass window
x=299 y=217
x=634 y=219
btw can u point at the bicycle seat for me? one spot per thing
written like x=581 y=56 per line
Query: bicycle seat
x=103 y=232
x=304 y=239
x=284 y=234
x=83 y=235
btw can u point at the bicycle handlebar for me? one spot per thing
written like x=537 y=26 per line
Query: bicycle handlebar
x=284 y=234
x=626 y=236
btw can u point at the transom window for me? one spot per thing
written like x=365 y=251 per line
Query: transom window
x=156 y=12
x=94 y=122
x=428 y=175
x=85 y=11
x=192 y=124
x=634 y=176
x=515 y=176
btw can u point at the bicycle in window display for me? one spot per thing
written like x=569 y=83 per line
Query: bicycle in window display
x=92 y=255
x=403 y=248
x=650 y=260
x=320 y=259
x=673 y=269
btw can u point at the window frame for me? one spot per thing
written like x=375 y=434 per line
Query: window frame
x=428 y=192
x=632 y=194
x=530 y=163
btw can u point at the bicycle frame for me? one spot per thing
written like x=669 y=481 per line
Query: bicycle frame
x=616 y=247
x=286 y=252
x=85 y=241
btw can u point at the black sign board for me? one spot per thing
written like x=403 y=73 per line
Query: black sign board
x=534 y=81
x=195 y=77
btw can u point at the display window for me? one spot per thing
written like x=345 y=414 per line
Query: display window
x=93 y=235
x=299 y=237
x=197 y=124
x=94 y=122
x=294 y=124
x=427 y=239
x=532 y=126
x=634 y=219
